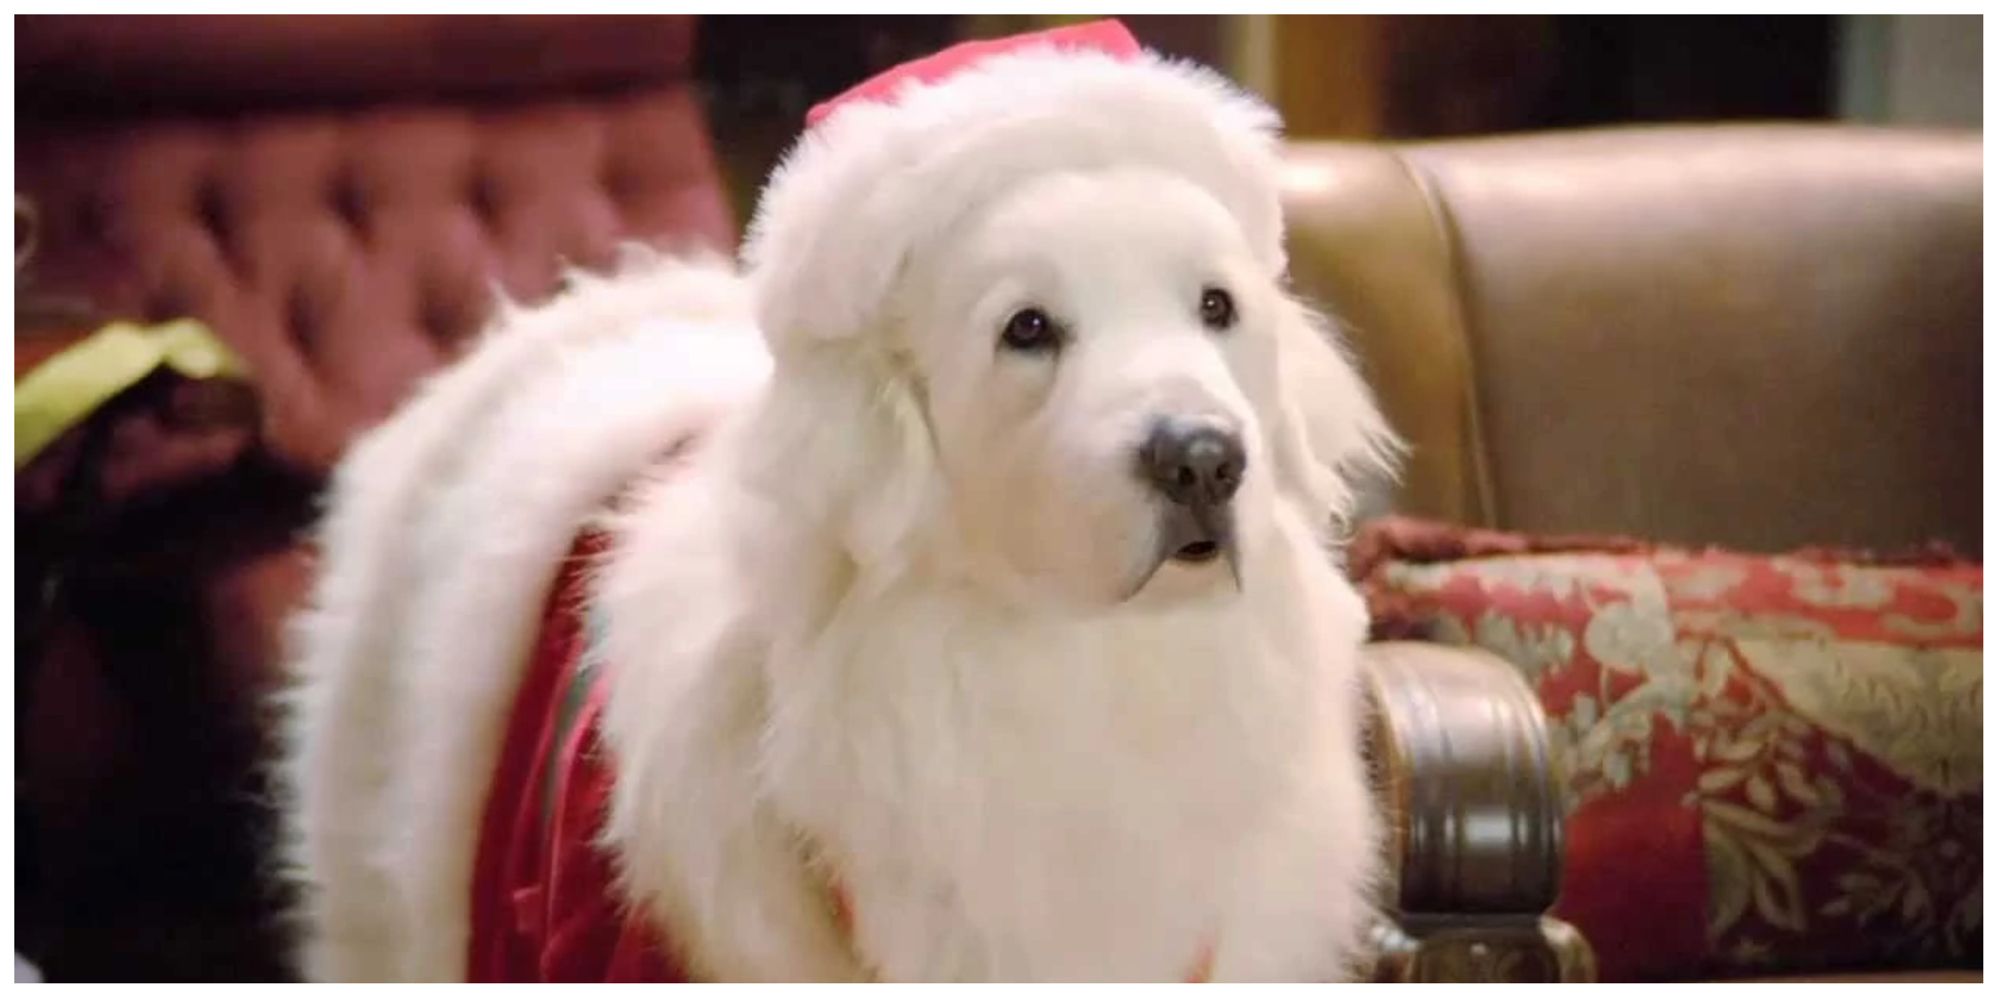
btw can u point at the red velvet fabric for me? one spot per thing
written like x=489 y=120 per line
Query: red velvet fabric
x=544 y=908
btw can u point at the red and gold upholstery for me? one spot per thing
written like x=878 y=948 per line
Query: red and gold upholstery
x=1771 y=764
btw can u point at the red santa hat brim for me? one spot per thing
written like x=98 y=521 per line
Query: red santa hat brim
x=1106 y=37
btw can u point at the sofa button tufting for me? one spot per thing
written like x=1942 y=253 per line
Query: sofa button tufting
x=212 y=209
x=436 y=319
x=166 y=305
x=483 y=194
x=349 y=202
x=91 y=217
x=302 y=320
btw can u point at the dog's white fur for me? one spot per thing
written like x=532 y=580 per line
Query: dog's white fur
x=876 y=619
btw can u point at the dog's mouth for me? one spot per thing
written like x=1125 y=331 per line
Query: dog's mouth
x=1197 y=552
x=1193 y=535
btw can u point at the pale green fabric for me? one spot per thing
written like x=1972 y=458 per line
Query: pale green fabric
x=60 y=392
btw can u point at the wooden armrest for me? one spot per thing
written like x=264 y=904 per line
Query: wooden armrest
x=1462 y=764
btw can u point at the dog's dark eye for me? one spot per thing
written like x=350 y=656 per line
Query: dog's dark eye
x=1031 y=330
x=1218 y=310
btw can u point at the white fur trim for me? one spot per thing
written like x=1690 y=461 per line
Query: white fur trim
x=444 y=530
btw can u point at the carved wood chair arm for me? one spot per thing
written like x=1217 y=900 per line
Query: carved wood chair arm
x=1467 y=781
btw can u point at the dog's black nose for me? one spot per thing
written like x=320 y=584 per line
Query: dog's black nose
x=1195 y=464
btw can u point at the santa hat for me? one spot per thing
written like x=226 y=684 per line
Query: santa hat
x=886 y=168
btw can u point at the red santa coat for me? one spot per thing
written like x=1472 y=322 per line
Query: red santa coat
x=544 y=908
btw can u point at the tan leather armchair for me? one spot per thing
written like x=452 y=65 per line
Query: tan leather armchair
x=1756 y=336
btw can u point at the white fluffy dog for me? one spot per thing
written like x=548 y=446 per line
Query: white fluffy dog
x=991 y=578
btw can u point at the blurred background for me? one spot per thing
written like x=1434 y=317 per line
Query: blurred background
x=333 y=202
x=1415 y=77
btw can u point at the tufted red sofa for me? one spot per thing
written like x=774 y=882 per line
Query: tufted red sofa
x=339 y=198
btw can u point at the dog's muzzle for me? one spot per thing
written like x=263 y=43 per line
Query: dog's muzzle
x=1197 y=467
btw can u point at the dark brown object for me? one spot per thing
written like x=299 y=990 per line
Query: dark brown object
x=1465 y=777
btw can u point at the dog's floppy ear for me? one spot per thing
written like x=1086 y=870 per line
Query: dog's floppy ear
x=829 y=237
x=1333 y=440
x=844 y=443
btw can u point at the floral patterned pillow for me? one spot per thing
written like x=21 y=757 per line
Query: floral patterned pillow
x=1771 y=763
